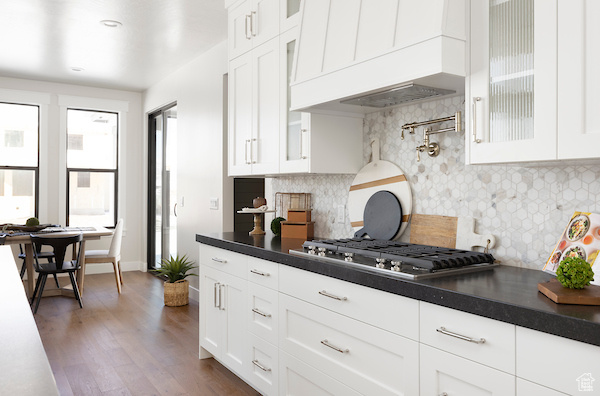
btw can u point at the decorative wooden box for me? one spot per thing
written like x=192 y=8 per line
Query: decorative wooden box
x=298 y=216
x=298 y=230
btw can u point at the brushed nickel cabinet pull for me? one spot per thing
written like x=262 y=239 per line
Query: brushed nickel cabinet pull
x=222 y=297
x=340 y=350
x=218 y=260
x=252 y=23
x=217 y=296
x=260 y=366
x=257 y=272
x=246 y=17
x=324 y=293
x=254 y=155
x=302 y=132
x=475 y=100
x=256 y=311
x=460 y=336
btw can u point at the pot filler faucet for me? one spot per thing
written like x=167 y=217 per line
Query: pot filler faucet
x=432 y=148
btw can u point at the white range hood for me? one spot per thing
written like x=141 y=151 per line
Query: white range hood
x=361 y=55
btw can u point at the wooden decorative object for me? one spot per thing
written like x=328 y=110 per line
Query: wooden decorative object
x=590 y=295
x=297 y=230
x=177 y=293
x=298 y=216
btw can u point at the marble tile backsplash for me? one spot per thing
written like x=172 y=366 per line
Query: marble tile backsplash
x=526 y=208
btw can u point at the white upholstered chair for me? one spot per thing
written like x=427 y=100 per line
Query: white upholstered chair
x=112 y=255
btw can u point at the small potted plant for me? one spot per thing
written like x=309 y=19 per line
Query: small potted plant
x=176 y=269
x=574 y=273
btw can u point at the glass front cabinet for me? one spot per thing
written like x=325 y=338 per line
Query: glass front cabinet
x=309 y=141
x=511 y=90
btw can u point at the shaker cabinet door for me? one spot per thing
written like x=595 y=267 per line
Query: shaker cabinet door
x=240 y=115
x=443 y=373
x=578 y=79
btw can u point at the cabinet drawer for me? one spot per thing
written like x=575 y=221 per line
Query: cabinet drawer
x=557 y=362
x=391 y=312
x=446 y=374
x=462 y=333
x=263 y=312
x=367 y=359
x=526 y=388
x=224 y=260
x=263 y=365
x=298 y=378
x=263 y=272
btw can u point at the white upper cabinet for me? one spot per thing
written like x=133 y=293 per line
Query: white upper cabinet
x=250 y=24
x=254 y=111
x=309 y=141
x=578 y=79
x=511 y=88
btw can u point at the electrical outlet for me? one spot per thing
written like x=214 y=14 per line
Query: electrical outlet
x=341 y=214
x=214 y=203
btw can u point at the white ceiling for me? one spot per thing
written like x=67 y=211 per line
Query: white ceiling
x=44 y=39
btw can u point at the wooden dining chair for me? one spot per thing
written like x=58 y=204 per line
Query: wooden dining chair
x=112 y=255
x=59 y=244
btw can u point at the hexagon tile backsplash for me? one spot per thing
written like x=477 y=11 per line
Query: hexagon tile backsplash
x=526 y=208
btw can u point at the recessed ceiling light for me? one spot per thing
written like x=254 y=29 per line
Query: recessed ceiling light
x=77 y=69
x=110 y=23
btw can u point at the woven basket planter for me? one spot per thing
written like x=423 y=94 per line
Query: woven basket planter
x=177 y=293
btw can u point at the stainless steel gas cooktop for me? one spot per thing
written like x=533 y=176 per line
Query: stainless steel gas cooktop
x=405 y=260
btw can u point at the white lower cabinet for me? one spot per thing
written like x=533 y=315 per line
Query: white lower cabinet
x=263 y=369
x=223 y=317
x=369 y=360
x=527 y=388
x=443 y=373
x=297 y=378
x=287 y=331
x=263 y=312
x=486 y=341
x=561 y=364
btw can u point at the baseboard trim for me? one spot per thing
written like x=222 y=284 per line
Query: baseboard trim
x=194 y=294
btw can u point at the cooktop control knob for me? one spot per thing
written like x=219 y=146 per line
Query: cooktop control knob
x=348 y=256
x=312 y=250
x=380 y=263
x=322 y=251
x=396 y=265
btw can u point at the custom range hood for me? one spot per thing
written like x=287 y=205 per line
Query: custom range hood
x=363 y=55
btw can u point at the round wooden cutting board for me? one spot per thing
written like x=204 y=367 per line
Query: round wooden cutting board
x=376 y=176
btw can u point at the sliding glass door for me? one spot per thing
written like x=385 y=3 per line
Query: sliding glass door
x=162 y=185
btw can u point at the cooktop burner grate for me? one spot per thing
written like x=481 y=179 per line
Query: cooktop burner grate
x=397 y=258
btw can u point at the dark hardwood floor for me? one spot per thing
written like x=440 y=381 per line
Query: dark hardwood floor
x=129 y=344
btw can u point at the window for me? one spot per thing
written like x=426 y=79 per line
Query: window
x=19 y=162
x=92 y=168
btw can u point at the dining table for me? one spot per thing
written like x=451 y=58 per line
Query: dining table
x=23 y=238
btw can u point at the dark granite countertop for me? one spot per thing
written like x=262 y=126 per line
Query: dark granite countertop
x=508 y=294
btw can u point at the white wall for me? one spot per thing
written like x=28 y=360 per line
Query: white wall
x=131 y=166
x=198 y=90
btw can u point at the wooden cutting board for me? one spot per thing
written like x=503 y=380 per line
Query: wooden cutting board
x=590 y=295
x=446 y=231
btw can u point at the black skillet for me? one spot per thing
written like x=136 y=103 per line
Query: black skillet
x=382 y=217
